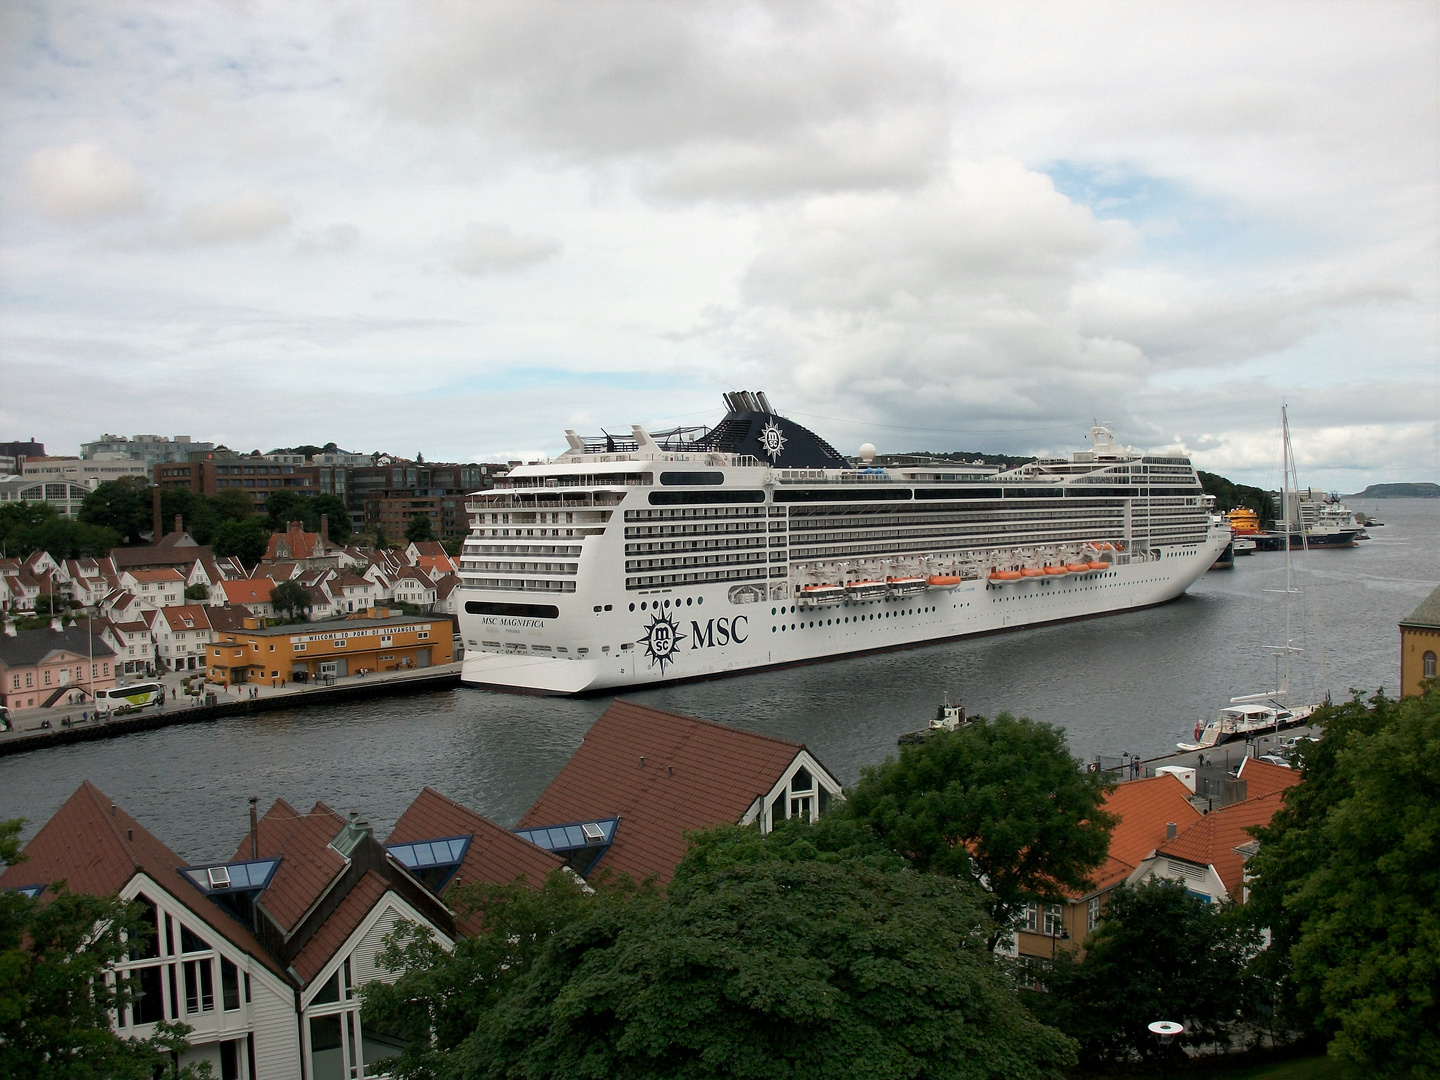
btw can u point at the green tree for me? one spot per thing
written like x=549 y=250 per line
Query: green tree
x=247 y=540
x=812 y=951
x=419 y=530
x=1160 y=954
x=291 y=598
x=1000 y=802
x=124 y=505
x=382 y=542
x=337 y=516
x=54 y=1000
x=771 y=969
x=197 y=513
x=26 y=528
x=284 y=507
x=1347 y=877
x=232 y=504
x=197 y=592
x=1229 y=495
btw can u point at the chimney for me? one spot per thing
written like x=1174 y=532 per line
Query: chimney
x=254 y=830
x=179 y=524
x=324 y=532
x=155 y=514
x=1170 y=830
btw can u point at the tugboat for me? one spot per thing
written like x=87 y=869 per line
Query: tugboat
x=947 y=718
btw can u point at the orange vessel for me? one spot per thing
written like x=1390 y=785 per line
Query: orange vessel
x=1244 y=521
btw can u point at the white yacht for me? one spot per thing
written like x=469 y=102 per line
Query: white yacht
x=701 y=552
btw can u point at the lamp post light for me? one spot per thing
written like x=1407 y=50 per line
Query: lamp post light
x=1164 y=1031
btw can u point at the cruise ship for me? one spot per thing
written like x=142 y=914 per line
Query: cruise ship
x=704 y=552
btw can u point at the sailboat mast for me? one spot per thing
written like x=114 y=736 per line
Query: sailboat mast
x=1287 y=463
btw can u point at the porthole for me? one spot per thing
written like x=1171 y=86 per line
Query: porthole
x=699 y=600
x=644 y=605
x=632 y=607
x=688 y=600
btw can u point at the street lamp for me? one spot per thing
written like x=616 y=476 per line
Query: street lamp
x=1164 y=1031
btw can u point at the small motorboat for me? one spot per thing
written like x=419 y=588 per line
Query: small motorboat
x=947 y=718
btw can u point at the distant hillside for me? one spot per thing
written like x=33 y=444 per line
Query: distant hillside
x=1398 y=491
x=1229 y=495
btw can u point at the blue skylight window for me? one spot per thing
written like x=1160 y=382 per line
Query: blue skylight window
x=577 y=835
x=32 y=891
x=236 y=877
x=428 y=853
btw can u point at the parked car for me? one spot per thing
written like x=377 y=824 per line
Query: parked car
x=1275 y=759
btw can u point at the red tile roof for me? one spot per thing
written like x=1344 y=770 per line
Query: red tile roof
x=343 y=921
x=495 y=856
x=96 y=848
x=1262 y=778
x=169 y=574
x=308 y=863
x=1145 y=808
x=662 y=774
x=248 y=591
x=1212 y=840
x=187 y=617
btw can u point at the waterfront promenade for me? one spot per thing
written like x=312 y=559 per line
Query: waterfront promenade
x=29 y=730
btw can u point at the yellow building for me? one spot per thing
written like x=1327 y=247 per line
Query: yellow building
x=311 y=652
x=1419 y=644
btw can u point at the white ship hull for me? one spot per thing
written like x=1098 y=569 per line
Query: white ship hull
x=711 y=637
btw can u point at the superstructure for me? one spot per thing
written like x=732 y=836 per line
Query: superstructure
x=702 y=552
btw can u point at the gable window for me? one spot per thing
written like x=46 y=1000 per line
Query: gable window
x=199 y=986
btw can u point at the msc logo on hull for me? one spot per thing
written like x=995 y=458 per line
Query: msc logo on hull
x=663 y=638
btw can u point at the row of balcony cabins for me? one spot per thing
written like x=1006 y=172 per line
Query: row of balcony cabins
x=263 y=950
x=142 y=621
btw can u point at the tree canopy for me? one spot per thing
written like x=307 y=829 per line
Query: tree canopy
x=1347 y=877
x=998 y=801
x=419 y=530
x=246 y=540
x=1160 y=954
x=291 y=598
x=123 y=505
x=54 y=1000
x=26 y=528
x=759 y=961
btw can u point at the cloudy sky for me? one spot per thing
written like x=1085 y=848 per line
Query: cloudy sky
x=460 y=228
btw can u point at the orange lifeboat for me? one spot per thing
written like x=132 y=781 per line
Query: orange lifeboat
x=1056 y=571
x=1006 y=575
x=1032 y=571
x=944 y=581
x=1099 y=566
x=1078 y=567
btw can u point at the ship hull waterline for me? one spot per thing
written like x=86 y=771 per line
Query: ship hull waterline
x=767 y=647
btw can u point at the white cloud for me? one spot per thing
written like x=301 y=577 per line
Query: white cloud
x=83 y=181
x=482 y=250
x=717 y=100
x=250 y=215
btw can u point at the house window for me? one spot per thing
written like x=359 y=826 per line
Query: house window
x=47 y=676
x=199 y=986
x=29 y=680
x=15 y=682
x=1092 y=914
x=1427 y=665
x=1054 y=920
x=1031 y=916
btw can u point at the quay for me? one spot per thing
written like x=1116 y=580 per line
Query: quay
x=28 y=732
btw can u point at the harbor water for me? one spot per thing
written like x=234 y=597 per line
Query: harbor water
x=1132 y=683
